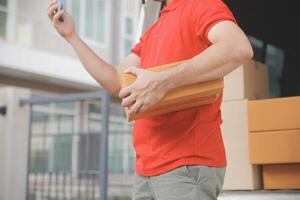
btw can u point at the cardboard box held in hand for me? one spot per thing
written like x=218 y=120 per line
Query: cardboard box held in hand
x=181 y=98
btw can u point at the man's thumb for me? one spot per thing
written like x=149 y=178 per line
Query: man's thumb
x=132 y=70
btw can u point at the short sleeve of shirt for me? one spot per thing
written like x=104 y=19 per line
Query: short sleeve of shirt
x=209 y=13
x=137 y=49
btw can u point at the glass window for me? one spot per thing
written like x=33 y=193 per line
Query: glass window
x=128 y=46
x=101 y=21
x=128 y=26
x=62 y=151
x=95 y=18
x=52 y=137
x=88 y=144
x=2 y=19
x=53 y=118
x=38 y=156
x=76 y=13
x=39 y=121
x=94 y=14
x=94 y=117
x=116 y=152
x=117 y=111
x=89 y=18
x=66 y=124
x=54 y=149
x=128 y=34
x=95 y=107
x=94 y=126
x=131 y=165
x=52 y=126
x=3 y=2
x=65 y=106
x=121 y=155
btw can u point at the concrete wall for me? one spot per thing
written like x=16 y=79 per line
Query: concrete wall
x=13 y=144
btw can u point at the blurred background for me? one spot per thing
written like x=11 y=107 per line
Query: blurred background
x=55 y=119
x=64 y=138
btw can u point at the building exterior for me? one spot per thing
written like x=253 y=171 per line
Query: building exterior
x=30 y=45
x=64 y=135
x=58 y=158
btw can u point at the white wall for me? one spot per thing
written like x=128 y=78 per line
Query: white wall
x=13 y=144
x=20 y=58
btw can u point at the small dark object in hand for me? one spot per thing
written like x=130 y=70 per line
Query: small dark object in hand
x=59 y=8
x=3 y=110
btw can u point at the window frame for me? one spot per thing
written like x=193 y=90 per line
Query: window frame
x=124 y=35
x=4 y=9
x=82 y=22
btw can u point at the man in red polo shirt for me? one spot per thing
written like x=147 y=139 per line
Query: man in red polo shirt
x=179 y=155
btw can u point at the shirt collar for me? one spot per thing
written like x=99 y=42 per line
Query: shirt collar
x=173 y=5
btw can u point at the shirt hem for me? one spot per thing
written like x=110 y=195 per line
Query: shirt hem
x=178 y=163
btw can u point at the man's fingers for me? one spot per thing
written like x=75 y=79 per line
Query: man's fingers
x=146 y=105
x=51 y=11
x=125 y=92
x=143 y=108
x=128 y=101
x=57 y=16
x=136 y=107
x=53 y=2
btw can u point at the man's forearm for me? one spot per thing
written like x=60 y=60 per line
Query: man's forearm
x=104 y=73
x=215 y=62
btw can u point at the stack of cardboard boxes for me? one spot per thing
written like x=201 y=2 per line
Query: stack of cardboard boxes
x=261 y=135
x=248 y=82
x=274 y=141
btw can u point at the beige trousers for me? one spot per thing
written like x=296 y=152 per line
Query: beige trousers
x=183 y=183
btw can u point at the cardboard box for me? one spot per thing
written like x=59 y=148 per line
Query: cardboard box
x=249 y=81
x=283 y=176
x=274 y=114
x=275 y=147
x=179 y=98
x=172 y=108
x=240 y=173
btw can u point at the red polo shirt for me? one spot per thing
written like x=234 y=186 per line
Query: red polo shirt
x=192 y=136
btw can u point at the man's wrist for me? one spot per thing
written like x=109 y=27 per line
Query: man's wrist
x=72 y=38
x=172 y=78
x=166 y=79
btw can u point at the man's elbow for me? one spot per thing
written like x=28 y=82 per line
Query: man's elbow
x=247 y=53
x=243 y=53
